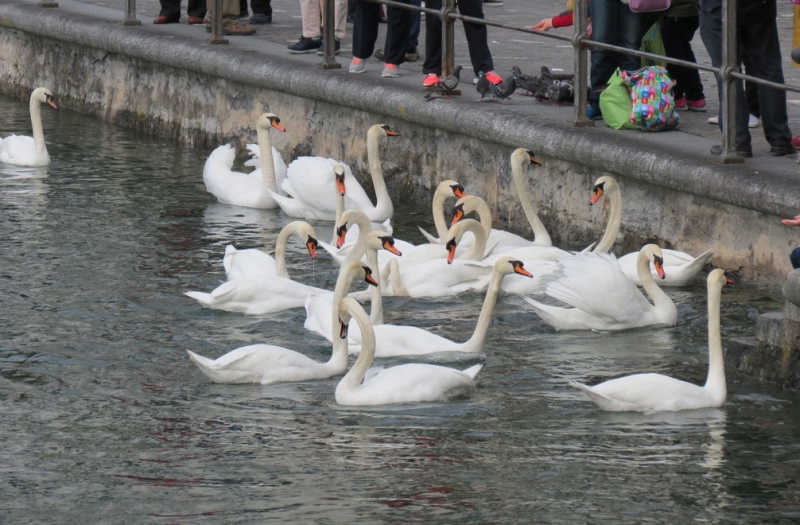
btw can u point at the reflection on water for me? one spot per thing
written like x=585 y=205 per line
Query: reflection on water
x=104 y=415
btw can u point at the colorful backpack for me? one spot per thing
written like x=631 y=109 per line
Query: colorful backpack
x=651 y=96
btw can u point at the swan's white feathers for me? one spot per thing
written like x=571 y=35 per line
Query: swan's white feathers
x=648 y=393
x=233 y=187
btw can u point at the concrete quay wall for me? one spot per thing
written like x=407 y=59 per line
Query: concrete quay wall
x=182 y=89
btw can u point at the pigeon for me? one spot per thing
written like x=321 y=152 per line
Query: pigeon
x=505 y=89
x=529 y=83
x=446 y=85
x=484 y=87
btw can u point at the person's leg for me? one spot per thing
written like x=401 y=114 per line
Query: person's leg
x=477 y=37
x=413 y=34
x=674 y=47
x=171 y=9
x=261 y=7
x=433 y=40
x=630 y=30
x=311 y=16
x=605 y=18
x=365 y=29
x=750 y=88
x=242 y=6
x=340 y=18
x=230 y=11
x=196 y=8
x=398 y=22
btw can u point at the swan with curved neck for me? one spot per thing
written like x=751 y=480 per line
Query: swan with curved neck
x=445 y=190
x=251 y=190
x=660 y=393
x=602 y=298
x=681 y=268
x=264 y=364
x=307 y=181
x=520 y=159
x=21 y=150
x=394 y=340
x=408 y=383
x=254 y=262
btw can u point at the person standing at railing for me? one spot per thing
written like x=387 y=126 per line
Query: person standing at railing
x=678 y=26
x=365 y=33
x=563 y=19
x=757 y=41
x=477 y=43
x=230 y=19
x=171 y=12
x=311 y=12
x=262 y=11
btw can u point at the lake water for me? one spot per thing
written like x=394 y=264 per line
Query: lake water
x=104 y=419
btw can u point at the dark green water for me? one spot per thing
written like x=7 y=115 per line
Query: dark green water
x=105 y=420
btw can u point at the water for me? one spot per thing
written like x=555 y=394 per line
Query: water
x=106 y=420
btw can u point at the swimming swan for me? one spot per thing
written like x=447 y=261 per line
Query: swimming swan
x=21 y=150
x=264 y=364
x=251 y=190
x=681 y=268
x=602 y=298
x=657 y=392
x=254 y=262
x=409 y=383
x=445 y=190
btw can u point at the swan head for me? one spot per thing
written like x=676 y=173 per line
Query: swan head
x=311 y=245
x=466 y=205
x=269 y=120
x=521 y=156
x=506 y=265
x=347 y=306
x=341 y=235
x=385 y=129
x=378 y=240
x=602 y=185
x=338 y=172
x=717 y=277
x=653 y=253
x=455 y=233
x=451 y=186
x=44 y=96
x=350 y=217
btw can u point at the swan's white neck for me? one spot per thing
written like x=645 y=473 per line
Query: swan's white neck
x=484 y=214
x=715 y=382
x=375 y=293
x=443 y=191
x=360 y=246
x=38 y=130
x=280 y=247
x=475 y=343
x=267 y=162
x=346 y=276
x=476 y=251
x=540 y=235
x=656 y=294
x=614 y=219
x=383 y=202
x=339 y=213
x=355 y=376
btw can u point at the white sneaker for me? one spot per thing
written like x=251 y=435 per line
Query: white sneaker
x=358 y=65
x=714 y=119
x=754 y=121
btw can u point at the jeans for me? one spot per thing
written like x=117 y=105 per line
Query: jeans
x=612 y=23
x=677 y=34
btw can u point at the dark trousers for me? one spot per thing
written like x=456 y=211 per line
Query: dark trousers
x=365 y=31
x=677 y=34
x=477 y=38
x=261 y=7
x=612 y=23
x=172 y=8
x=758 y=43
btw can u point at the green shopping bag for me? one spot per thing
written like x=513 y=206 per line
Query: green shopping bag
x=652 y=43
x=616 y=104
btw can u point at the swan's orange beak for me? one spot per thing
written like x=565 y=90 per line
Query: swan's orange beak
x=597 y=192
x=658 y=262
x=451 y=251
x=51 y=101
x=520 y=269
x=388 y=245
x=340 y=185
x=458 y=214
x=342 y=329
x=390 y=132
x=368 y=276
x=341 y=234
x=534 y=160
x=311 y=244
x=458 y=190
x=276 y=123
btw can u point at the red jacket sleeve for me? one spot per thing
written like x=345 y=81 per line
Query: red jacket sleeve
x=563 y=19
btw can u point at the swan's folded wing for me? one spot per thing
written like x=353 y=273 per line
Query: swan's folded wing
x=311 y=180
x=431 y=238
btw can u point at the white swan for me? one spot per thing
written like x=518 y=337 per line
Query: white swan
x=251 y=190
x=264 y=364
x=254 y=150
x=445 y=190
x=521 y=158
x=394 y=340
x=355 y=225
x=409 y=383
x=602 y=298
x=255 y=262
x=681 y=268
x=657 y=392
x=307 y=181
x=21 y=150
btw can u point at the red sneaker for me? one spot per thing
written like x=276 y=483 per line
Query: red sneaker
x=696 y=105
x=493 y=77
x=431 y=79
x=680 y=103
x=796 y=142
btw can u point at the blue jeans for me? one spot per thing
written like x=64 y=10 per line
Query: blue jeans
x=612 y=23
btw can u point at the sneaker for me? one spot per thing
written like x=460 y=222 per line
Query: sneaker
x=680 y=103
x=412 y=56
x=260 y=18
x=746 y=153
x=390 y=71
x=336 y=47
x=780 y=151
x=493 y=77
x=431 y=79
x=593 y=112
x=493 y=3
x=714 y=119
x=305 y=45
x=194 y=20
x=796 y=142
x=357 y=65
x=379 y=54
x=237 y=29
x=754 y=122
x=475 y=80
x=696 y=105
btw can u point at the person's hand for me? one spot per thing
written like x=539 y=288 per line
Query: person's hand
x=792 y=222
x=544 y=25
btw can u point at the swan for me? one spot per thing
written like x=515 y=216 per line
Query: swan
x=254 y=150
x=681 y=268
x=445 y=190
x=660 y=393
x=602 y=298
x=251 y=190
x=254 y=262
x=520 y=158
x=21 y=150
x=393 y=340
x=307 y=182
x=356 y=223
x=408 y=383
x=264 y=364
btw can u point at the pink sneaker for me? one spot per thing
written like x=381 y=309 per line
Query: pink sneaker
x=493 y=77
x=431 y=79
x=696 y=105
x=680 y=103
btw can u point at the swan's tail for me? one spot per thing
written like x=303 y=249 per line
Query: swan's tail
x=227 y=259
x=701 y=260
x=201 y=297
x=202 y=362
x=473 y=370
x=431 y=238
x=598 y=398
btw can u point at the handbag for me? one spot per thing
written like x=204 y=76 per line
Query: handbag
x=647 y=6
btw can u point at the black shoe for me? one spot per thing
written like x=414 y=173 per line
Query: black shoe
x=336 y=47
x=378 y=54
x=260 y=18
x=746 y=153
x=780 y=151
x=305 y=45
x=493 y=3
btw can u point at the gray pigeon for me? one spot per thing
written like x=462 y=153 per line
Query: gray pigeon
x=446 y=85
x=484 y=87
x=505 y=89
x=529 y=83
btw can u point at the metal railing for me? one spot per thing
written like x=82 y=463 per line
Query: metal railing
x=728 y=72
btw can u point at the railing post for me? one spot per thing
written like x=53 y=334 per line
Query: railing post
x=130 y=14
x=329 y=36
x=216 y=25
x=581 y=88
x=448 y=38
x=728 y=102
